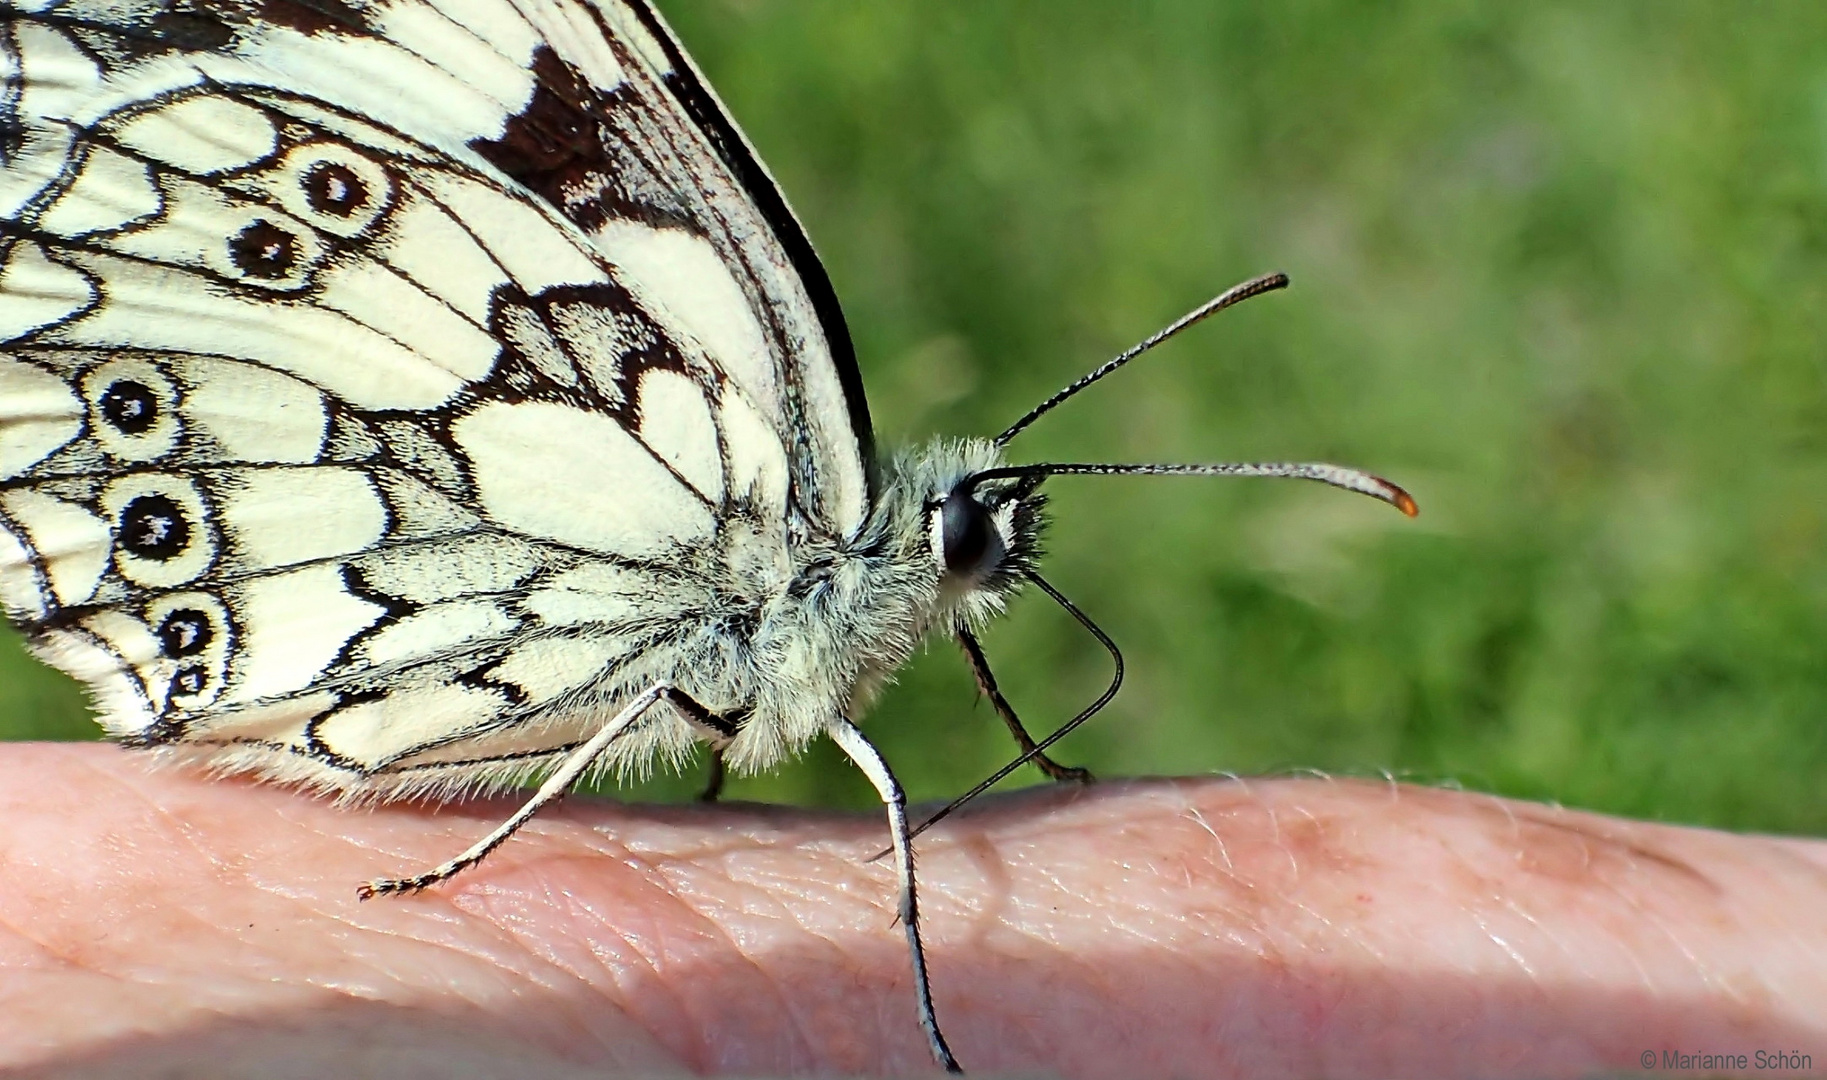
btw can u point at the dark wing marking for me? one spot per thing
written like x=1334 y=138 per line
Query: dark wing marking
x=706 y=110
x=658 y=147
x=160 y=468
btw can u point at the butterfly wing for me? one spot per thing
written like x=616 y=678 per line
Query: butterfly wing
x=375 y=378
x=634 y=152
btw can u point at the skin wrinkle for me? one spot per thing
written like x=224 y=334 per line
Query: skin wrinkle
x=1539 y=927
x=661 y=874
x=510 y=929
x=1667 y=933
x=136 y=786
x=442 y=912
x=777 y=909
x=355 y=989
x=1480 y=886
x=361 y=843
x=123 y=783
x=618 y=977
x=308 y=823
x=1083 y=971
x=1508 y=949
x=798 y=1013
x=1679 y=867
x=437 y=911
x=1634 y=900
x=126 y=782
x=980 y=900
x=1149 y=931
x=1214 y=992
x=524 y=931
x=164 y=976
x=788 y=900
x=43 y=951
x=1521 y=828
x=660 y=882
x=1058 y=887
x=61 y=957
x=1086 y=967
x=519 y=982
x=1044 y=932
x=784 y=1004
x=346 y=920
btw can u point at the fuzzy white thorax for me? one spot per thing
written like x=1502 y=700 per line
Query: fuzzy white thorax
x=857 y=608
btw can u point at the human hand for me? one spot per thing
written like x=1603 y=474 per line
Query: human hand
x=160 y=923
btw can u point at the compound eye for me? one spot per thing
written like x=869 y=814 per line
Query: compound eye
x=968 y=534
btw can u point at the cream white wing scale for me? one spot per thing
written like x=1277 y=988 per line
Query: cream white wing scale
x=413 y=396
x=331 y=456
x=626 y=139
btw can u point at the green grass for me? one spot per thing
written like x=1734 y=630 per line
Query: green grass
x=1560 y=269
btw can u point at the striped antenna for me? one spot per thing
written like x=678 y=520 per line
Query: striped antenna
x=1236 y=294
x=1334 y=475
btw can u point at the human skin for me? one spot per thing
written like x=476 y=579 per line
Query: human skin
x=159 y=923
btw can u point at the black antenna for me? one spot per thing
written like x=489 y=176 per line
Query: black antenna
x=1103 y=699
x=1030 y=476
x=1236 y=294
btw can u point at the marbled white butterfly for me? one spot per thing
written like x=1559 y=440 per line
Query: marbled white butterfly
x=404 y=397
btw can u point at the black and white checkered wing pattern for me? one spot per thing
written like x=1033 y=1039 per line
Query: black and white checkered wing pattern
x=379 y=382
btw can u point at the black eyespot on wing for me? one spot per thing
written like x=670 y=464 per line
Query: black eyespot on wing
x=333 y=188
x=191 y=680
x=153 y=527
x=968 y=534
x=185 y=632
x=264 y=250
x=131 y=407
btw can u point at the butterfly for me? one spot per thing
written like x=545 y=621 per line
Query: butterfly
x=412 y=397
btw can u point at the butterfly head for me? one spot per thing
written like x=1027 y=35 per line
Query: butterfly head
x=973 y=541
x=983 y=536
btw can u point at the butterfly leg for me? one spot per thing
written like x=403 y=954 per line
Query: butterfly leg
x=713 y=783
x=986 y=683
x=559 y=783
x=851 y=740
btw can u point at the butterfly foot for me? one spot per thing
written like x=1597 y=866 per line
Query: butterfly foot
x=713 y=782
x=1064 y=774
x=368 y=890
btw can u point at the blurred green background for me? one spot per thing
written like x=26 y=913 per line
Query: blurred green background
x=1560 y=269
